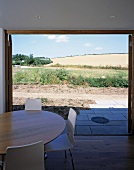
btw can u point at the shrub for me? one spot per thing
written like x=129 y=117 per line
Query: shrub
x=80 y=80
x=116 y=81
x=48 y=77
x=20 y=78
x=61 y=74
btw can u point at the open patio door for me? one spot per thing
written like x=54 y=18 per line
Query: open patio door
x=8 y=73
x=131 y=86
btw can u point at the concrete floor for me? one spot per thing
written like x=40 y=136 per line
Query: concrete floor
x=114 y=111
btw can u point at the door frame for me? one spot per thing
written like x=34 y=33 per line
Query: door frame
x=8 y=67
x=129 y=83
x=8 y=72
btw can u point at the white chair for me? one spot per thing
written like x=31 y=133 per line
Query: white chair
x=33 y=104
x=26 y=157
x=69 y=118
x=64 y=141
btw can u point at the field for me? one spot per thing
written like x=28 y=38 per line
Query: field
x=60 y=92
x=94 y=60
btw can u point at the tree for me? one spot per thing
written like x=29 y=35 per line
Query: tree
x=21 y=59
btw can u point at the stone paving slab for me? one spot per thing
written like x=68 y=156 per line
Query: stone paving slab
x=118 y=111
x=106 y=102
x=109 y=130
x=115 y=111
x=87 y=123
x=99 y=111
x=116 y=117
x=125 y=122
x=120 y=106
x=86 y=111
x=83 y=130
x=123 y=102
x=101 y=106
x=115 y=123
x=82 y=117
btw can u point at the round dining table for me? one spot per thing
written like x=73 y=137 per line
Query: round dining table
x=25 y=127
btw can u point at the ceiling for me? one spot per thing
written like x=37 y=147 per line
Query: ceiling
x=67 y=14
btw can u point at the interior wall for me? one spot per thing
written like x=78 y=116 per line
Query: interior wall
x=2 y=71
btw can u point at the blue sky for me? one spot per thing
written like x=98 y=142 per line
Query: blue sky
x=68 y=45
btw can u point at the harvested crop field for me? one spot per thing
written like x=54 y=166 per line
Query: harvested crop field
x=94 y=60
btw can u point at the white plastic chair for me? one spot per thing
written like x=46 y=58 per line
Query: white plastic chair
x=33 y=104
x=64 y=141
x=69 y=118
x=26 y=157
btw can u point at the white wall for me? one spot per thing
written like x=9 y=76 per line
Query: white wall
x=2 y=71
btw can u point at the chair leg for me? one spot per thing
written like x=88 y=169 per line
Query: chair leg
x=45 y=155
x=72 y=159
x=65 y=154
x=1 y=163
x=1 y=166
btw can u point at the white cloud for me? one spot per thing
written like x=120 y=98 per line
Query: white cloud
x=98 y=48
x=88 y=45
x=58 y=38
x=52 y=37
x=62 y=38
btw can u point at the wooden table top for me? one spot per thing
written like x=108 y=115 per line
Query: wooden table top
x=24 y=127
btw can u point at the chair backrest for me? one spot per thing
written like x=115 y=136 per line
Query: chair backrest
x=33 y=104
x=26 y=157
x=71 y=124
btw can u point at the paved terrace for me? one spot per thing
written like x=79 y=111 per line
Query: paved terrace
x=104 y=117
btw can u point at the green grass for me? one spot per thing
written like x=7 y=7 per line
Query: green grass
x=98 y=72
x=76 y=72
x=91 y=77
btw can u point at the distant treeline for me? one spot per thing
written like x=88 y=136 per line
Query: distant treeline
x=89 y=54
x=24 y=60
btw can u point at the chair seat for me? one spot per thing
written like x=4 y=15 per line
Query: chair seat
x=60 y=143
